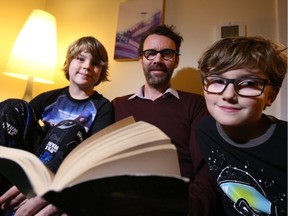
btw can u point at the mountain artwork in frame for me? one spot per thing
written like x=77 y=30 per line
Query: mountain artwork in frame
x=135 y=18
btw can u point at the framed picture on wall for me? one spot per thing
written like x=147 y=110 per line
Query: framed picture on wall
x=135 y=18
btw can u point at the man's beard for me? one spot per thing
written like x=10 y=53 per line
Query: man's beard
x=157 y=82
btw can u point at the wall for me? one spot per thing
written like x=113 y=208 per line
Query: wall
x=280 y=105
x=196 y=20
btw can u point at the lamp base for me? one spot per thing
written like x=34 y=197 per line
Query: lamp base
x=28 y=91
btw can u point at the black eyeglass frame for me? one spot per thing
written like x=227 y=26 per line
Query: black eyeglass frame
x=235 y=82
x=162 y=52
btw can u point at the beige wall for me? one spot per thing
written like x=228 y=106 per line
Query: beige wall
x=196 y=20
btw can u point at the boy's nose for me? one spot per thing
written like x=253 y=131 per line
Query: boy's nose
x=229 y=92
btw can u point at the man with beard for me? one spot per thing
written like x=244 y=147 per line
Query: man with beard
x=175 y=112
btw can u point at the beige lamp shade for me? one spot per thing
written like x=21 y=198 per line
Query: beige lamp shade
x=34 y=53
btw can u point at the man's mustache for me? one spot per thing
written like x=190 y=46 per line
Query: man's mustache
x=158 y=67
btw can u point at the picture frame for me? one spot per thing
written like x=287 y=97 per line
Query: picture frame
x=135 y=18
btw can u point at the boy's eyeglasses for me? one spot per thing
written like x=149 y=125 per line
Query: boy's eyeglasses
x=246 y=87
x=166 y=54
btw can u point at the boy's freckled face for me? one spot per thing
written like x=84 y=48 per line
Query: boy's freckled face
x=230 y=109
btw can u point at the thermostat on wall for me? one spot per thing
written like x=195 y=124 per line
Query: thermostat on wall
x=230 y=29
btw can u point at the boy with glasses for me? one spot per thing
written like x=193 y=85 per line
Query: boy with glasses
x=245 y=149
x=176 y=113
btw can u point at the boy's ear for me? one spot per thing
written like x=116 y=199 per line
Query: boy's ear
x=273 y=94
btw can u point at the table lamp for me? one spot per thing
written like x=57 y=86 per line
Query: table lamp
x=34 y=54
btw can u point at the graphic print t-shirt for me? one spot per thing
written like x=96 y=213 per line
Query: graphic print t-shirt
x=67 y=109
x=65 y=134
x=253 y=176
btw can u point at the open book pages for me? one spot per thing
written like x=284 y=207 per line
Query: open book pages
x=124 y=148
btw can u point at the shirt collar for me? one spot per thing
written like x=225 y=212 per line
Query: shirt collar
x=140 y=93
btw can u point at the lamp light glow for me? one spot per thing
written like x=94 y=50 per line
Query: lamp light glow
x=34 y=54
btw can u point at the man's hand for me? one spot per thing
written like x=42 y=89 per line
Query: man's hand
x=11 y=199
x=36 y=206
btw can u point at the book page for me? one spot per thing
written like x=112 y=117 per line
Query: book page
x=120 y=142
x=137 y=134
x=102 y=133
x=25 y=170
x=152 y=160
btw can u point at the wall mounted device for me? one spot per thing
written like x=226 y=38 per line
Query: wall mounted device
x=230 y=29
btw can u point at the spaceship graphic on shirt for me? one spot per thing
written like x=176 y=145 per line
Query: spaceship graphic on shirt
x=247 y=195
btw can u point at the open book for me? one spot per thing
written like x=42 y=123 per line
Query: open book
x=128 y=168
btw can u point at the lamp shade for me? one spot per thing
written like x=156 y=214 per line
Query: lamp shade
x=34 y=53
